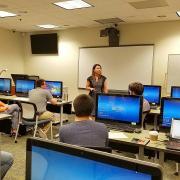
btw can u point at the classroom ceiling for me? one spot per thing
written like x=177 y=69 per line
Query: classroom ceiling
x=35 y=12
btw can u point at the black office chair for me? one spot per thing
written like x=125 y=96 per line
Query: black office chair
x=99 y=148
x=29 y=117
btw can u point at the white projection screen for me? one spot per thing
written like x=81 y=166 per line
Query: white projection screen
x=121 y=65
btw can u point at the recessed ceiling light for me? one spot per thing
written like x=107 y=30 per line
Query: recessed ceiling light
x=47 y=26
x=6 y=14
x=178 y=13
x=73 y=4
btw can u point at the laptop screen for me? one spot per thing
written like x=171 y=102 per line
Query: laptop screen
x=175 y=91
x=170 y=108
x=5 y=85
x=175 y=129
x=119 y=108
x=24 y=86
x=152 y=94
x=55 y=87
x=46 y=160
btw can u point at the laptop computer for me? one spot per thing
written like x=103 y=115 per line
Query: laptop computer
x=58 y=161
x=174 y=139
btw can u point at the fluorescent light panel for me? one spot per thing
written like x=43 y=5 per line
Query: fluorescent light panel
x=178 y=13
x=6 y=14
x=47 y=26
x=73 y=4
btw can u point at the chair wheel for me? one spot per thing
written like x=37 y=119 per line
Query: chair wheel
x=15 y=141
x=176 y=174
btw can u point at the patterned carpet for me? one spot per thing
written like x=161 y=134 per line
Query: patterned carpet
x=17 y=171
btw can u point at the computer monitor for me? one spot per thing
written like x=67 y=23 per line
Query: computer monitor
x=170 y=108
x=5 y=86
x=119 y=108
x=175 y=91
x=58 y=161
x=24 y=86
x=152 y=94
x=55 y=87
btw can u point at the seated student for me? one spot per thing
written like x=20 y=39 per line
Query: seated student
x=84 y=131
x=6 y=161
x=13 y=110
x=136 y=88
x=40 y=96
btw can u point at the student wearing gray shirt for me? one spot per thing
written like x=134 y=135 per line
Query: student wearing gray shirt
x=40 y=96
x=84 y=131
x=136 y=88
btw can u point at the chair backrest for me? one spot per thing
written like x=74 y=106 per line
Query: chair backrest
x=28 y=110
x=99 y=148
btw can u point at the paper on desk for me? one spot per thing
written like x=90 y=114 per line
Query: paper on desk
x=117 y=135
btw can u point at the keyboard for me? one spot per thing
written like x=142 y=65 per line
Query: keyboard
x=173 y=144
x=120 y=127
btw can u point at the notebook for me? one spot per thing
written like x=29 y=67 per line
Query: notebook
x=174 y=140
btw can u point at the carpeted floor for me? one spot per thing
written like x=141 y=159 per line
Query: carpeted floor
x=17 y=171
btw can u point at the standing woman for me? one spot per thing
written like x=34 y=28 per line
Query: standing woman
x=96 y=83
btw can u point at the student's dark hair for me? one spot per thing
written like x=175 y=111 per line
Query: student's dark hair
x=93 y=68
x=40 y=82
x=137 y=88
x=83 y=105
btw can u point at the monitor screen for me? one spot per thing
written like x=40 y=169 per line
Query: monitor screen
x=47 y=160
x=24 y=86
x=5 y=85
x=120 y=108
x=175 y=91
x=170 y=108
x=55 y=87
x=175 y=129
x=152 y=94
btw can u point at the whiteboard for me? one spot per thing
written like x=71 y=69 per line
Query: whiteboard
x=173 y=71
x=121 y=65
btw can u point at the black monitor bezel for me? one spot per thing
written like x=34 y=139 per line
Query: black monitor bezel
x=162 y=110
x=119 y=95
x=19 y=76
x=5 y=92
x=159 y=100
x=60 y=89
x=17 y=93
x=172 y=90
x=108 y=158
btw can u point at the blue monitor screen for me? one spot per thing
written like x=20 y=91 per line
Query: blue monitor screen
x=119 y=108
x=24 y=86
x=170 y=109
x=55 y=87
x=49 y=164
x=175 y=92
x=5 y=85
x=152 y=94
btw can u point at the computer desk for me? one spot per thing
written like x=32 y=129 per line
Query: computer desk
x=126 y=144
x=15 y=98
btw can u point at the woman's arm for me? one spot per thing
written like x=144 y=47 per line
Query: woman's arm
x=105 y=89
x=88 y=87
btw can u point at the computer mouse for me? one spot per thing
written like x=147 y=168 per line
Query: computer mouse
x=137 y=130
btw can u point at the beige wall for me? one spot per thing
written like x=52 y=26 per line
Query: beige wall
x=11 y=52
x=165 y=36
